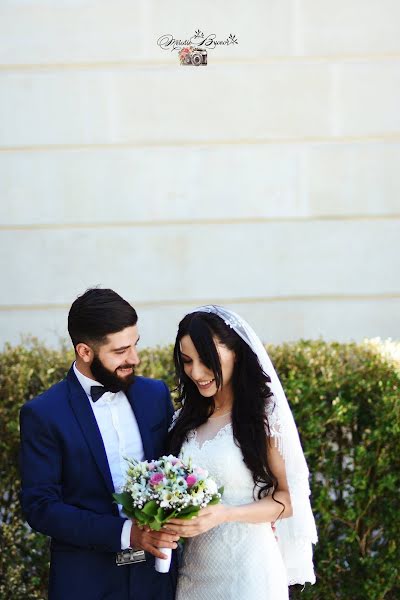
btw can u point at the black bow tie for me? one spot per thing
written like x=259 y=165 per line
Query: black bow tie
x=96 y=391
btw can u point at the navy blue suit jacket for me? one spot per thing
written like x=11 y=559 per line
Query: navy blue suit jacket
x=67 y=491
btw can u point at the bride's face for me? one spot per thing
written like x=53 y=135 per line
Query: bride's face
x=201 y=375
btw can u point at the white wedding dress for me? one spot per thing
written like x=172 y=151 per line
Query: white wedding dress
x=233 y=561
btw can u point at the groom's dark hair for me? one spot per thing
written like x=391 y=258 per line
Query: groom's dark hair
x=96 y=314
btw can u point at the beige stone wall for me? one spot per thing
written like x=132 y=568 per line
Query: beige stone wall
x=268 y=181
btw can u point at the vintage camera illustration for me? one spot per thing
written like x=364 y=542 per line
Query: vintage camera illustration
x=193 y=56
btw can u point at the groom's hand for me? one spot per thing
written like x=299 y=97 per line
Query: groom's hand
x=144 y=538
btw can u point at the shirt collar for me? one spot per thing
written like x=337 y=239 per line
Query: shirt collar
x=85 y=382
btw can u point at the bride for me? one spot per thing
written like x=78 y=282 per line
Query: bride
x=236 y=423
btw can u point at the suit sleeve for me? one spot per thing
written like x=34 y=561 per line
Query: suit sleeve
x=41 y=494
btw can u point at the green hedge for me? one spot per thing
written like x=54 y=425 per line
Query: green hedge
x=345 y=398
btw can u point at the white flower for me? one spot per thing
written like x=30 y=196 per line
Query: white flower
x=179 y=483
x=211 y=487
x=197 y=497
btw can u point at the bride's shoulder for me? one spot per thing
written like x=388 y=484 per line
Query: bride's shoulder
x=273 y=419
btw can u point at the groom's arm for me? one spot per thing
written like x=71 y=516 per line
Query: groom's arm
x=41 y=497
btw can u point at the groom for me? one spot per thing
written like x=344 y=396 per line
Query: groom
x=74 y=438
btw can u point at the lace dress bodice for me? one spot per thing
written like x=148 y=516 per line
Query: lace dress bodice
x=224 y=462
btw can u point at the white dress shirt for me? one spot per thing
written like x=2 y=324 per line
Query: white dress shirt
x=121 y=437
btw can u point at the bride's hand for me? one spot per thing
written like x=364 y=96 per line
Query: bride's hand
x=206 y=519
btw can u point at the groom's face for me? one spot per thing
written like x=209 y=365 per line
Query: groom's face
x=114 y=362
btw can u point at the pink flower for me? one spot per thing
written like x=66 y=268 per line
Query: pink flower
x=151 y=466
x=183 y=52
x=191 y=480
x=156 y=478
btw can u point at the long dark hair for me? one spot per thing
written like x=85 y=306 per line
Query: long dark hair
x=251 y=394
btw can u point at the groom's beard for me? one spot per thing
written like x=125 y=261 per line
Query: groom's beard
x=110 y=379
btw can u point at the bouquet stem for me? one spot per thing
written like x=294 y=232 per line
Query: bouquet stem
x=162 y=564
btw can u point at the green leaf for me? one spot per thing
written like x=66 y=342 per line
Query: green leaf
x=214 y=500
x=125 y=499
x=189 y=512
x=173 y=515
x=161 y=515
x=140 y=516
x=155 y=525
x=150 y=508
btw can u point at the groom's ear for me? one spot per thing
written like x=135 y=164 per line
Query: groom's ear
x=84 y=352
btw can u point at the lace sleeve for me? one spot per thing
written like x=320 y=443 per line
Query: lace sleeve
x=275 y=426
x=174 y=418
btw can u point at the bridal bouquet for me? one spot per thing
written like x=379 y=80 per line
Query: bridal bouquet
x=158 y=490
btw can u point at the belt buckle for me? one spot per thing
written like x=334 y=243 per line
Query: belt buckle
x=129 y=557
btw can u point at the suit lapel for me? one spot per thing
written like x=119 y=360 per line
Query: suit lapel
x=83 y=411
x=143 y=416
